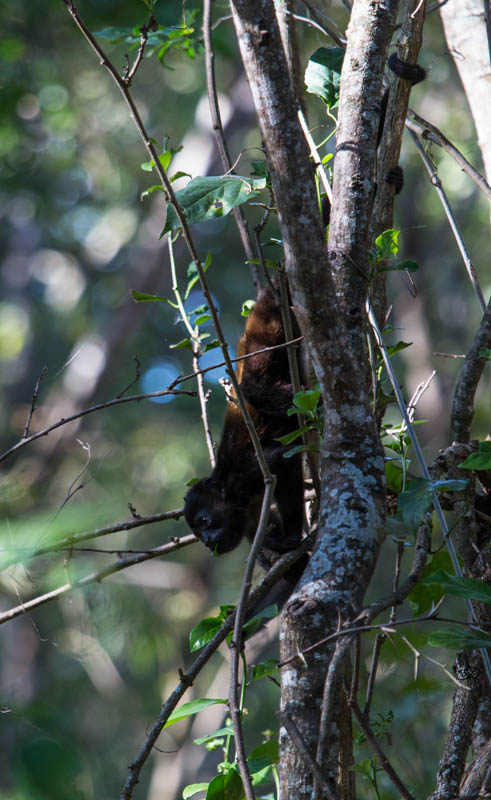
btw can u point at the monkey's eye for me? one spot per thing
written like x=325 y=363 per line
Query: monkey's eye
x=203 y=521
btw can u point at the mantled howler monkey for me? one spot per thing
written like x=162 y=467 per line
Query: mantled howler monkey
x=225 y=507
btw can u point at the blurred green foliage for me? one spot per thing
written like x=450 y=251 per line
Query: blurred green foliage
x=83 y=677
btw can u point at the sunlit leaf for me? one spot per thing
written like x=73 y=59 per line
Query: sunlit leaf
x=463 y=587
x=212 y=197
x=323 y=74
x=188 y=709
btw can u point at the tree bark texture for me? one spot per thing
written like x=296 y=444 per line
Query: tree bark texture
x=329 y=293
x=465 y=30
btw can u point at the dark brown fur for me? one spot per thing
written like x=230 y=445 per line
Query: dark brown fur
x=224 y=508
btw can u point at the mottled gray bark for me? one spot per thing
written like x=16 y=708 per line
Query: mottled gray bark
x=329 y=293
x=465 y=31
x=409 y=44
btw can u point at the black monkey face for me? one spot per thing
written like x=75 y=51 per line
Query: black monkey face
x=217 y=522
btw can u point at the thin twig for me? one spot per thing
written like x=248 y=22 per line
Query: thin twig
x=462 y=412
x=69 y=541
x=137 y=397
x=236 y=644
x=424 y=469
x=436 y=182
x=167 y=186
x=196 y=345
x=138 y=372
x=431 y=133
x=377 y=749
x=296 y=737
x=95 y=577
x=33 y=402
x=220 y=136
x=260 y=591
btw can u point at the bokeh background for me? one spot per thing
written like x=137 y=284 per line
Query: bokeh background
x=83 y=677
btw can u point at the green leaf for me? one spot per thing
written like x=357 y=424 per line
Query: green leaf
x=407 y=266
x=151 y=190
x=393 y=476
x=247 y=307
x=219 y=733
x=463 y=587
x=204 y=632
x=227 y=786
x=288 y=438
x=323 y=74
x=188 y=709
x=423 y=596
x=211 y=346
x=415 y=501
x=268 y=667
x=485 y=352
x=386 y=244
x=193 y=276
x=480 y=460
x=307 y=400
x=212 y=197
x=114 y=34
x=460 y=639
x=143 y=297
x=193 y=789
x=301 y=448
x=396 y=348
x=184 y=344
x=202 y=319
x=252 y=625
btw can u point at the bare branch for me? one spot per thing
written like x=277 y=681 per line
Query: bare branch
x=436 y=182
x=95 y=577
x=75 y=538
x=236 y=643
x=384 y=762
x=431 y=133
x=138 y=397
x=260 y=591
x=33 y=402
x=470 y=375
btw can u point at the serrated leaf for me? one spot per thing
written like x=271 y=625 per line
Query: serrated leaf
x=460 y=639
x=193 y=789
x=188 y=709
x=480 y=460
x=463 y=587
x=212 y=197
x=268 y=667
x=323 y=74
